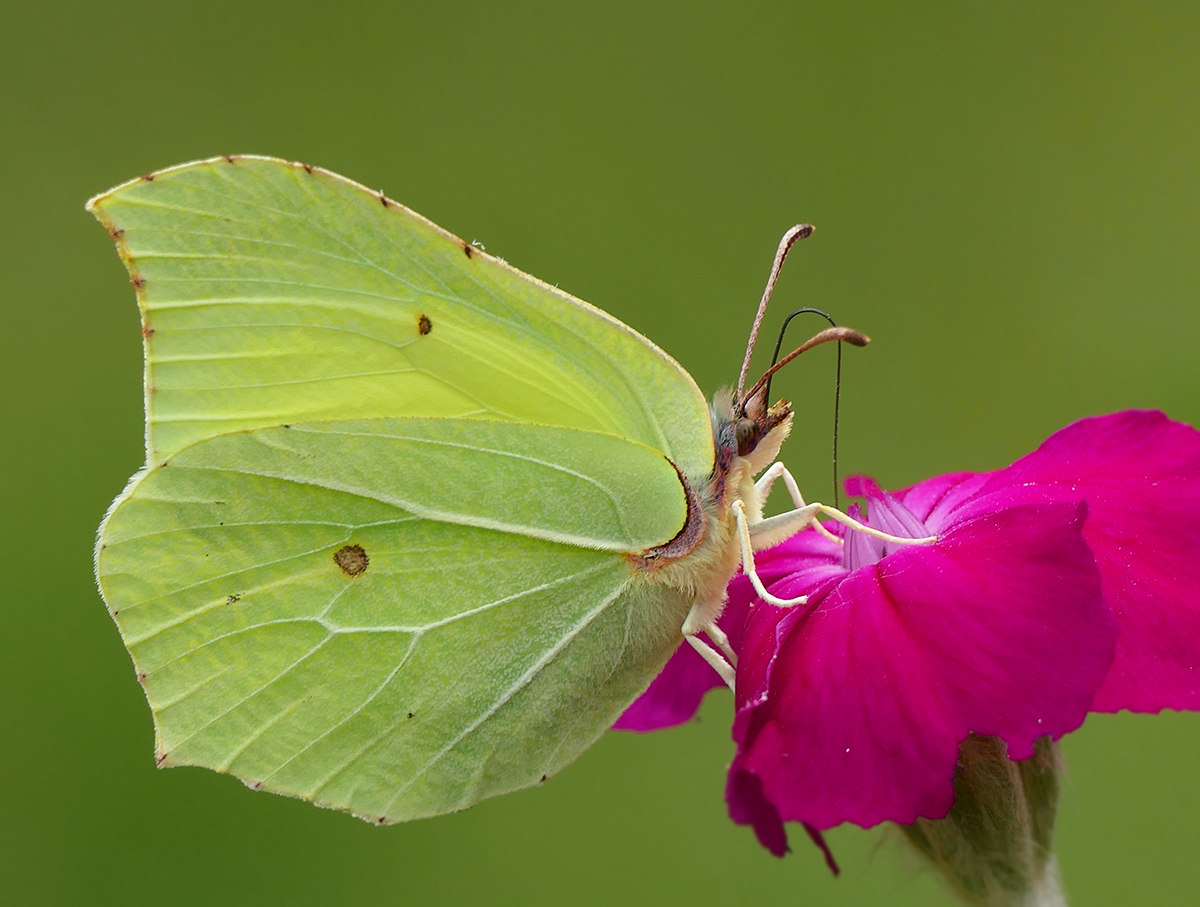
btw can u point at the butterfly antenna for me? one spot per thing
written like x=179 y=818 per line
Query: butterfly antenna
x=828 y=335
x=837 y=388
x=800 y=231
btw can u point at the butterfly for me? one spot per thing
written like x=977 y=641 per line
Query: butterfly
x=414 y=527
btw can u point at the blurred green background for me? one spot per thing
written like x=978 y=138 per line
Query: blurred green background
x=1007 y=199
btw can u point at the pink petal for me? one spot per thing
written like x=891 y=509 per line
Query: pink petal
x=852 y=708
x=1140 y=475
x=748 y=806
x=935 y=502
x=675 y=694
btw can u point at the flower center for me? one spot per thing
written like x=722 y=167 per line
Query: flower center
x=887 y=515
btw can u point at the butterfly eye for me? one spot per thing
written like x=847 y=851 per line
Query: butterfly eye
x=746 y=433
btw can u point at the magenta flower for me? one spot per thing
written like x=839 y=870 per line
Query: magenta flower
x=1064 y=583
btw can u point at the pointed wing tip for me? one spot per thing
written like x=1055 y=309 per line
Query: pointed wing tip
x=96 y=204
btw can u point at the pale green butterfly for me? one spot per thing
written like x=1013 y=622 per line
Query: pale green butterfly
x=414 y=527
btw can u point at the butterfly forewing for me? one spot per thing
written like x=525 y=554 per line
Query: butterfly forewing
x=274 y=292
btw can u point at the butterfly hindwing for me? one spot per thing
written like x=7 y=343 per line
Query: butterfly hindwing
x=300 y=625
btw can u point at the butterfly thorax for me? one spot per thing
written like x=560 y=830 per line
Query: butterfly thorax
x=746 y=444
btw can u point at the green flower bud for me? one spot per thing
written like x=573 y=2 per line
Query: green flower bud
x=994 y=848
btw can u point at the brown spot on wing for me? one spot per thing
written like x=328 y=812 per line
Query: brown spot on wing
x=147 y=331
x=148 y=177
x=138 y=281
x=308 y=168
x=230 y=158
x=468 y=249
x=116 y=232
x=424 y=325
x=352 y=559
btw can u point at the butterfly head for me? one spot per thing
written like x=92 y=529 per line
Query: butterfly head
x=750 y=429
x=759 y=429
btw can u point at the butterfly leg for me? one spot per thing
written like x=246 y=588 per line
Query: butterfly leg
x=777 y=470
x=767 y=480
x=702 y=618
x=713 y=657
x=755 y=537
x=774 y=530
